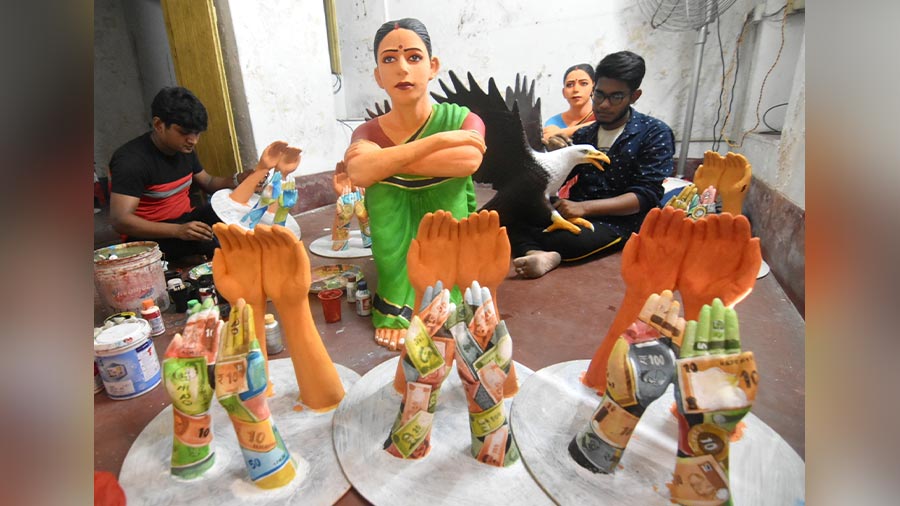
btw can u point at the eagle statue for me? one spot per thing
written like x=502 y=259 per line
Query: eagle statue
x=516 y=163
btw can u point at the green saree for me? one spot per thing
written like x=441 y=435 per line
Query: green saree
x=395 y=206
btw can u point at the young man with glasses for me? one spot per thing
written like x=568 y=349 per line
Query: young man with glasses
x=615 y=201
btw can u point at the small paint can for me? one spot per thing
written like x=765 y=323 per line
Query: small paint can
x=128 y=363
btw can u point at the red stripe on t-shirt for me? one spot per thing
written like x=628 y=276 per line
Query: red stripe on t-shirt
x=168 y=208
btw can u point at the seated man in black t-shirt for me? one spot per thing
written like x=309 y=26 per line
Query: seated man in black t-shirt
x=151 y=177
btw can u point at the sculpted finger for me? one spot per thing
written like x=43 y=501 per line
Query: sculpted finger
x=221 y=231
x=502 y=244
x=630 y=251
x=649 y=225
x=425 y=226
x=742 y=228
x=444 y=222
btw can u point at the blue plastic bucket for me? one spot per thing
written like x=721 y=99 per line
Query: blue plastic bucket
x=128 y=363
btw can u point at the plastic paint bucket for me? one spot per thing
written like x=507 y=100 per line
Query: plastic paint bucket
x=127 y=359
x=126 y=274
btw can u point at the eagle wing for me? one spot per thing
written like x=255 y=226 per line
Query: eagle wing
x=508 y=164
x=529 y=111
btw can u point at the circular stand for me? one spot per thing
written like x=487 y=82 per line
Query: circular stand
x=231 y=212
x=146 y=476
x=553 y=406
x=447 y=475
x=355 y=249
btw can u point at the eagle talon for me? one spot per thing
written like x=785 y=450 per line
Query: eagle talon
x=583 y=222
x=560 y=223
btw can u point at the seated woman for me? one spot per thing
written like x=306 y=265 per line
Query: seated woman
x=416 y=159
x=578 y=82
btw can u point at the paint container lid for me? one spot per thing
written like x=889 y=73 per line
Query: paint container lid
x=123 y=335
x=269 y=318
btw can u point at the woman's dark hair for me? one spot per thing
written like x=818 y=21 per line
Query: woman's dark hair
x=624 y=66
x=411 y=24
x=586 y=67
x=178 y=105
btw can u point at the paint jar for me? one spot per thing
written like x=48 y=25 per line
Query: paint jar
x=126 y=274
x=207 y=289
x=351 y=288
x=274 y=343
x=127 y=359
x=331 y=304
x=153 y=315
x=363 y=299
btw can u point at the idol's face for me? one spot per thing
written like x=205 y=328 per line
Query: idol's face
x=404 y=67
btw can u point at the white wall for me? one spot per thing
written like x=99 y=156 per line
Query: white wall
x=283 y=58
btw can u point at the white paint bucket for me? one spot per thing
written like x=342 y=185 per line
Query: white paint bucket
x=128 y=363
x=126 y=274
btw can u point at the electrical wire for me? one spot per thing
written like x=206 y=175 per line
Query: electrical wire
x=337 y=85
x=771 y=128
x=763 y=85
x=715 y=145
x=776 y=12
x=735 y=66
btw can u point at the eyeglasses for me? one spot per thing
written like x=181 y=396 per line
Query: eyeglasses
x=614 y=98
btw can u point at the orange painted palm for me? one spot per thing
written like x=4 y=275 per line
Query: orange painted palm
x=286 y=279
x=722 y=261
x=729 y=174
x=651 y=261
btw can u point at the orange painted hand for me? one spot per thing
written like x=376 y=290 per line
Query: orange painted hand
x=730 y=174
x=252 y=182
x=237 y=273
x=650 y=263
x=651 y=259
x=286 y=278
x=285 y=265
x=484 y=251
x=237 y=267
x=433 y=255
x=288 y=160
x=721 y=261
x=340 y=181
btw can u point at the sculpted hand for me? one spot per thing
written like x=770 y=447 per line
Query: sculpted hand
x=483 y=252
x=186 y=374
x=194 y=231
x=241 y=379
x=289 y=160
x=340 y=180
x=722 y=260
x=683 y=199
x=286 y=278
x=641 y=367
x=650 y=263
x=425 y=361
x=254 y=180
x=715 y=388
x=456 y=138
x=237 y=273
x=730 y=174
x=484 y=351
x=433 y=255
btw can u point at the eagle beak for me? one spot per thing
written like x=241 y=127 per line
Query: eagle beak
x=595 y=157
